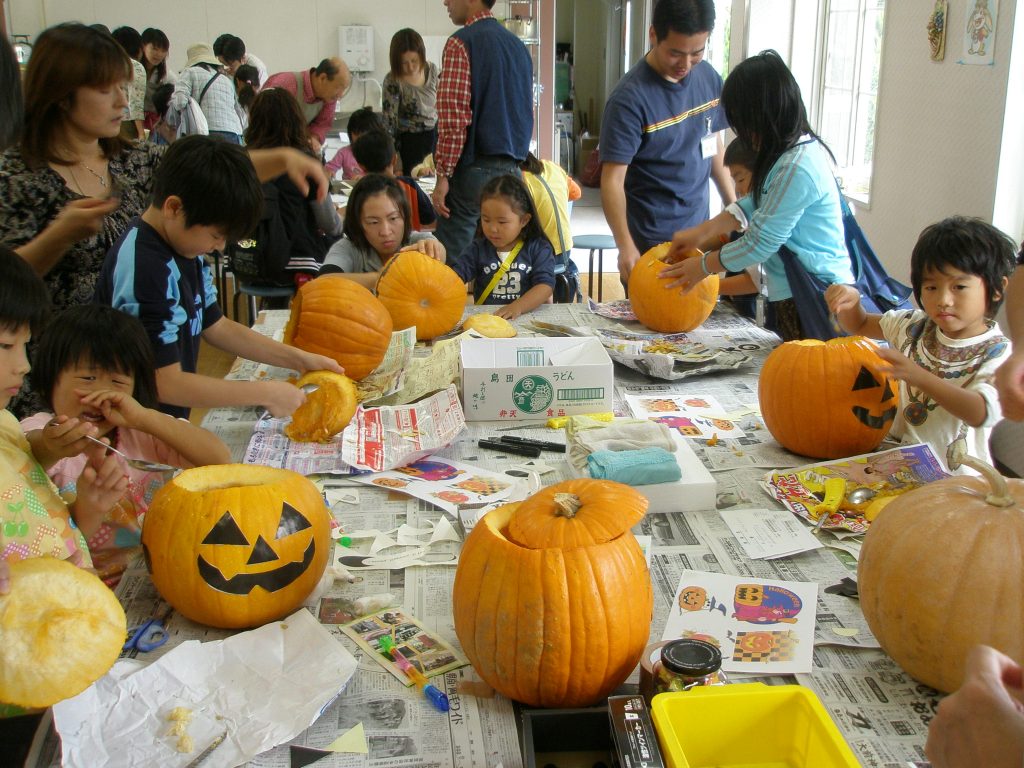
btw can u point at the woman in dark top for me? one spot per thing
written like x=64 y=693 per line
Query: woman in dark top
x=275 y=121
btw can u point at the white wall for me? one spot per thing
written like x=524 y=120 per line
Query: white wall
x=939 y=134
x=285 y=34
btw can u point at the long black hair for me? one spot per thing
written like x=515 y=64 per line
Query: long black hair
x=24 y=299
x=763 y=105
x=156 y=38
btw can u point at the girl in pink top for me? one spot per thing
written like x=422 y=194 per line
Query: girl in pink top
x=94 y=366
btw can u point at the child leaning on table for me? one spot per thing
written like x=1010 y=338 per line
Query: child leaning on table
x=510 y=263
x=94 y=368
x=946 y=353
x=205 y=192
x=34 y=519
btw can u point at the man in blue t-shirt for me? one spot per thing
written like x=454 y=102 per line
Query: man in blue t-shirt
x=660 y=136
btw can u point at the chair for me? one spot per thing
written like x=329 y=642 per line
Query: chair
x=597 y=243
x=254 y=291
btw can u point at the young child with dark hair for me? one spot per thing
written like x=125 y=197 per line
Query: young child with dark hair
x=94 y=368
x=945 y=354
x=511 y=262
x=205 y=191
x=377 y=226
x=359 y=122
x=375 y=153
x=247 y=85
x=35 y=519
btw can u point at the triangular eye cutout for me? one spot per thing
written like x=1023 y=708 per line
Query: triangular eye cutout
x=261 y=553
x=888 y=394
x=865 y=380
x=226 y=531
x=291 y=521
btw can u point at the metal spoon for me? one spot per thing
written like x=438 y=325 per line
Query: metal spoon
x=308 y=389
x=860 y=495
x=145 y=466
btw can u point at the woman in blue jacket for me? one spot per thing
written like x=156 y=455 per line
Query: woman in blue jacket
x=794 y=201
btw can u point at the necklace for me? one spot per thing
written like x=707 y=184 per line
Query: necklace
x=101 y=179
x=81 y=190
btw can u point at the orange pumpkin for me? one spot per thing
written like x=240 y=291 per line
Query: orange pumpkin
x=326 y=411
x=941 y=570
x=663 y=310
x=827 y=399
x=337 y=317
x=422 y=292
x=552 y=599
x=236 y=545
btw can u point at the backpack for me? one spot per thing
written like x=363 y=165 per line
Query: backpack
x=261 y=257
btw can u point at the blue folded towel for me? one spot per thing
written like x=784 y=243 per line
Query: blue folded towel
x=646 y=466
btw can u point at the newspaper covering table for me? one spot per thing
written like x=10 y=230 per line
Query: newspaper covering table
x=881 y=711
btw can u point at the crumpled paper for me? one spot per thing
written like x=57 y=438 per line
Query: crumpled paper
x=263 y=687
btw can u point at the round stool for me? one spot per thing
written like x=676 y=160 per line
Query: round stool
x=594 y=243
x=252 y=292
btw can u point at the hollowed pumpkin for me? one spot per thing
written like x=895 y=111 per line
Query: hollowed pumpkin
x=663 y=310
x=337 y=317
x=420 y=291
x=552 y=598
x=827 y=399
x=236 y=545
x=941 y=570
x=326 y=411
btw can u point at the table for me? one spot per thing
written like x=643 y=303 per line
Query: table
x=882 y=713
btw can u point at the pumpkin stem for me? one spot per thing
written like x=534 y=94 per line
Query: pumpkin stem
x=568 y=504
x=999 y=496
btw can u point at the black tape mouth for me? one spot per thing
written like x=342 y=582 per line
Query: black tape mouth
x=244 y=583
x=875 y=422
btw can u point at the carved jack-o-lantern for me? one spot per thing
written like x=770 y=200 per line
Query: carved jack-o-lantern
x=236 y=545
x=828 y=399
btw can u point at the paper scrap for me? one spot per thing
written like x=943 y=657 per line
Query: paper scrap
x=766 y=534
x=264 y=687
x=353 y=740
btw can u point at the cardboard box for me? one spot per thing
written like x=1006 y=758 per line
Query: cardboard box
x=695 y=490
x=568 y=738
x=530 y=379
x=633 y=732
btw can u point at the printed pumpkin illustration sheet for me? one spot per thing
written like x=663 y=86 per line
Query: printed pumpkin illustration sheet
x=762 y=627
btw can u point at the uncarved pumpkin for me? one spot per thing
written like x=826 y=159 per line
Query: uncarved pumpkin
x=827 y=399
x=941 y=570
x=420 y=291
x=664 y=310
x=337 y=317
x=236 y=545
x=552 y=598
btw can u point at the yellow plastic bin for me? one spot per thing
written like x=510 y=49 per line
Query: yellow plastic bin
x=748 y=725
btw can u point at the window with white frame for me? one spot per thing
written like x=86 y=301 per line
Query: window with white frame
x=834 y=50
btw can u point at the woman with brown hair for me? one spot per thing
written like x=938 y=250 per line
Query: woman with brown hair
x=69 y=188
x=410 y=99
x=275 y=121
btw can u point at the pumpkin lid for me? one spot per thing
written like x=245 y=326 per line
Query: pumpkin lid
x=693 y=658
x=576 y=513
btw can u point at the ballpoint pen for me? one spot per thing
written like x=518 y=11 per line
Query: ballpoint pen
x=434 y=696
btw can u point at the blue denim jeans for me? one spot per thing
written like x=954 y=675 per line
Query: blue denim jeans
x=234 y=138
x=457 y=231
